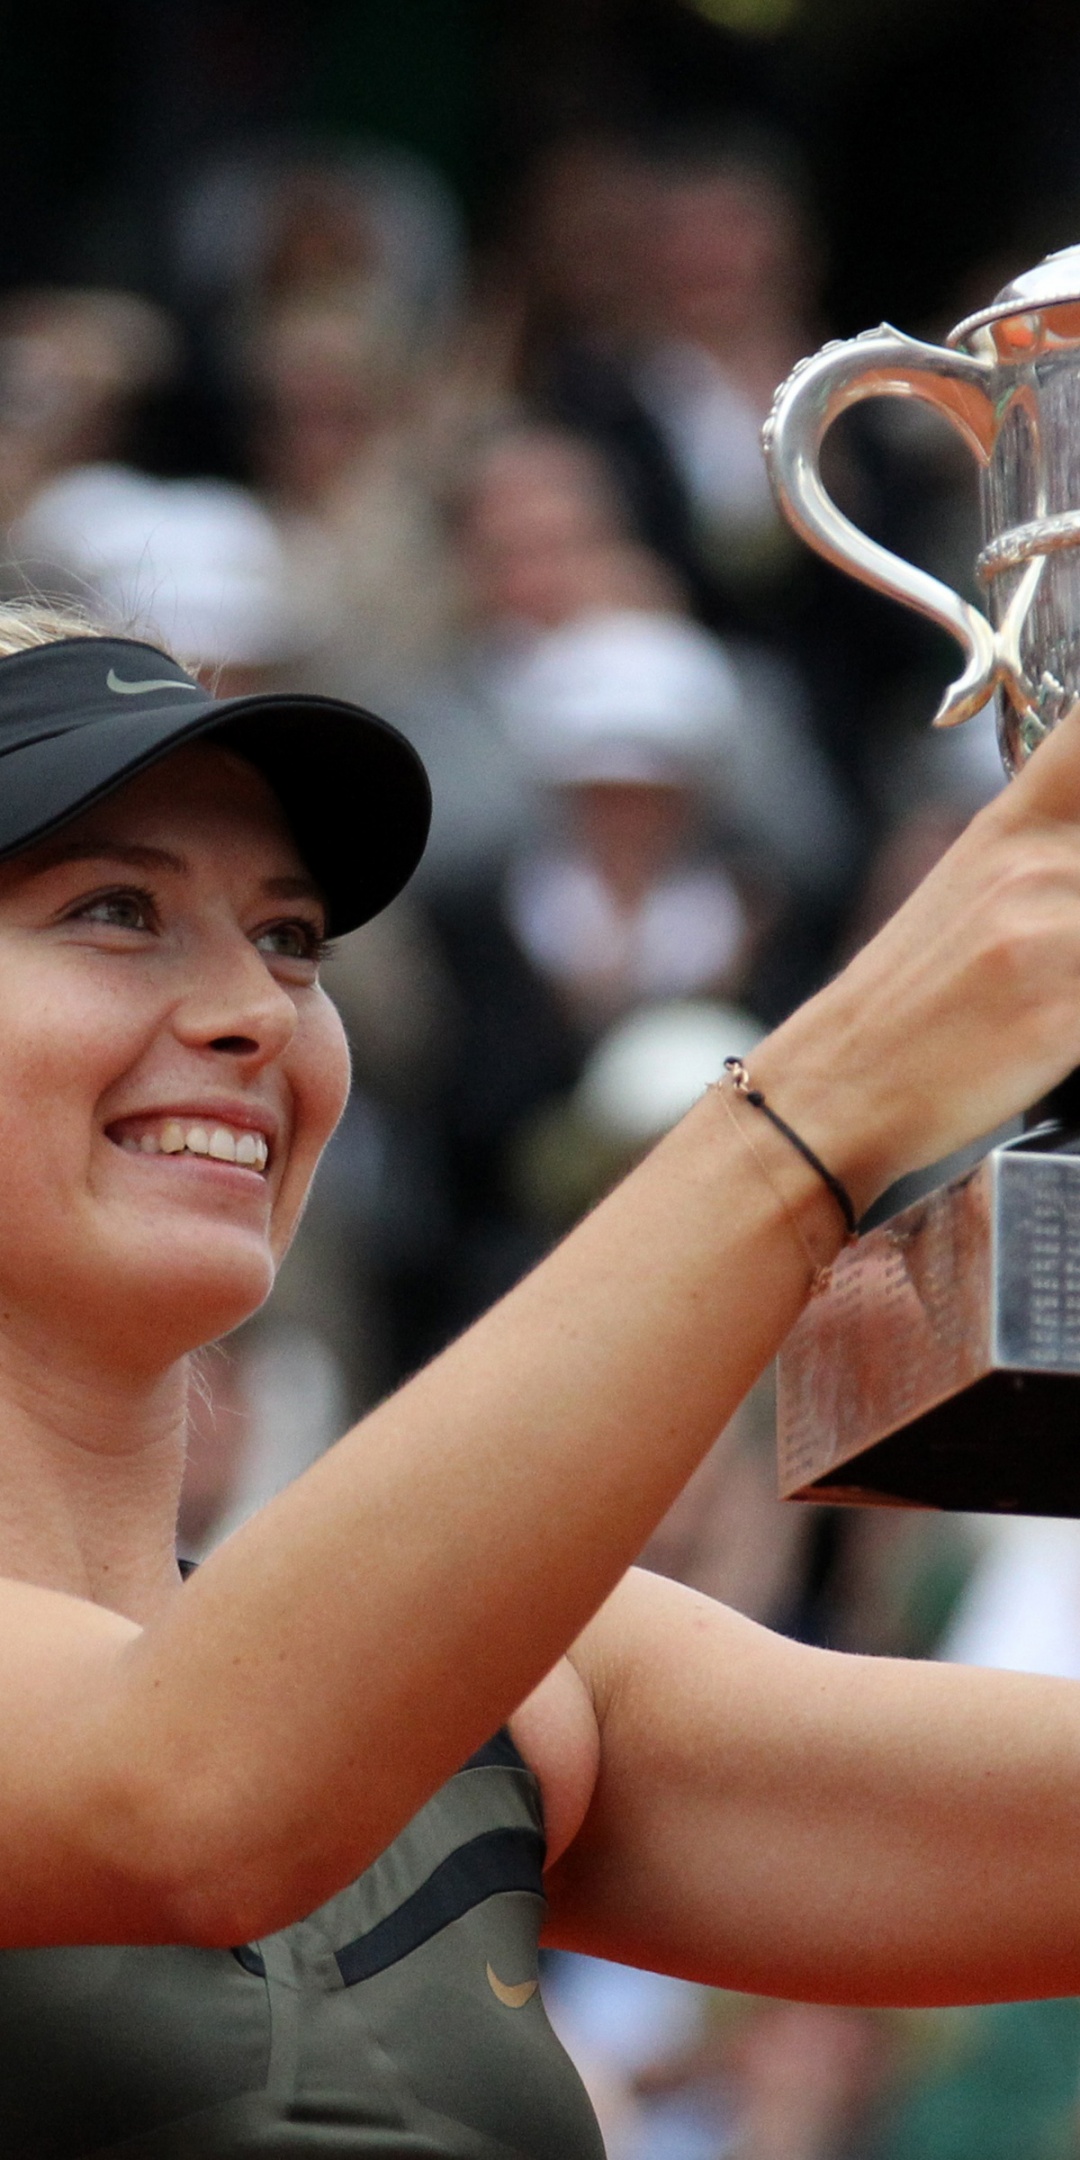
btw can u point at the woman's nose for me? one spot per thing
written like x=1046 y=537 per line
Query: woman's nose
x=236 y=1007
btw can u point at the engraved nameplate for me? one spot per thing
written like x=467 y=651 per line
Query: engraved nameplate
x=942 y=1365
x=1038 y=1265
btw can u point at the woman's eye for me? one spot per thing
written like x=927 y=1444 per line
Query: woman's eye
x=295 y=940
x=125 y=910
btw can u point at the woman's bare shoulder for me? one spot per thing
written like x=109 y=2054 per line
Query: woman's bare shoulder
x=558 y=1728
x=558 y=1735
x=35 y=1620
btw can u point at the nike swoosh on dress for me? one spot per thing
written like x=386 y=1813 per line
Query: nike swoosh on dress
x=515 y=1997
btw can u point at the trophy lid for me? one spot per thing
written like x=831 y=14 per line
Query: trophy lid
x=1027 y=301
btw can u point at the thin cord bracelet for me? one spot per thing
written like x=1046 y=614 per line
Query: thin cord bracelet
x=743 y=1085
x=820 y=1273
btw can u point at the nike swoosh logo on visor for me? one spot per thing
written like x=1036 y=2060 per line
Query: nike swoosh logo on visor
x=161 y=682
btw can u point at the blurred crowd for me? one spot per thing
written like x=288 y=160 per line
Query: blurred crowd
x=515 y=501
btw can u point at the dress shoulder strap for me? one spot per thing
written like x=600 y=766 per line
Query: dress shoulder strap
x=497 y=1753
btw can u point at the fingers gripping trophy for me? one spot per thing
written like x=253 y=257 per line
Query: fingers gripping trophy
x=941 y=1365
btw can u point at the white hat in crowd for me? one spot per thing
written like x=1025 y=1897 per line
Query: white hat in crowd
x=650 y=1068
x=622 y=695
x=198 y=564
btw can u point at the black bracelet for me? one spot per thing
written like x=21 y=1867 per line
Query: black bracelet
x=744 y=1086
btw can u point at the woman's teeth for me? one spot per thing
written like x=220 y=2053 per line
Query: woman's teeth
x=222 y=1142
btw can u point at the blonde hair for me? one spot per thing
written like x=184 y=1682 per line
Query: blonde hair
x=25 y=623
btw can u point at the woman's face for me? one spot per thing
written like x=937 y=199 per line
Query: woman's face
x=169 y=1066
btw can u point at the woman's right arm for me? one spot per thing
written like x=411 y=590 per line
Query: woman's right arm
x=231 y=1766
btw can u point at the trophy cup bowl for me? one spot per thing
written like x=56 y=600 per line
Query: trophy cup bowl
x=941 y=1365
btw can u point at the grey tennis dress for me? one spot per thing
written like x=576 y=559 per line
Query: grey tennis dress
x=402 y=2021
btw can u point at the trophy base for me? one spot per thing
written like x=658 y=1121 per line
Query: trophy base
x=941 y=1367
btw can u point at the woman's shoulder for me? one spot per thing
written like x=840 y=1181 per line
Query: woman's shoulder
x=558 y=1729
x=556 y=1733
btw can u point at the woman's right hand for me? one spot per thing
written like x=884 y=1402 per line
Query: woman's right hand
x=964 y=1009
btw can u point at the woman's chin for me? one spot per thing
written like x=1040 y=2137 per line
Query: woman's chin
x=189 y=1293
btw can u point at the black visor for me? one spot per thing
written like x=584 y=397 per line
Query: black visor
x=82 y=715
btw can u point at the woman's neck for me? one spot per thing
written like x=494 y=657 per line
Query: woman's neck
x=90 y=1471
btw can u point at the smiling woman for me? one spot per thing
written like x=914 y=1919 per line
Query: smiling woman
x=271 y=1884
x=171 y=933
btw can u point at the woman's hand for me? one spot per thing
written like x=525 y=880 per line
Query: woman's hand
x=964 y=1009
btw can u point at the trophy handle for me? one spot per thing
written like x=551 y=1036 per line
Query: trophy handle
x=885 y=363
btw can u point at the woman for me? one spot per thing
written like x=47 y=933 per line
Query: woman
x=250 y=1782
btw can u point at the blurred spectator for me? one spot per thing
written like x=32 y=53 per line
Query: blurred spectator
x=542 y=540
x=660 y=283
x=538 y=534
x=340 y=455
x=624 y=719
x=736 y=266
x=287 y=222
x=195 y=563
x=321 y=286
x=578 y=302
x=658 y=321
x=621 y=891
x=543 y=534
x=74 y=368
x=735 y=271
x=588 y=204
x=327 y=380
x=636 y=678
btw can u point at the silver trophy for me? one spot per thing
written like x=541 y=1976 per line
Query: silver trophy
x=941 y=1367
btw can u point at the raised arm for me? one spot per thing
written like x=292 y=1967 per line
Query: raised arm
x=342 y=1654
x=801 y=1823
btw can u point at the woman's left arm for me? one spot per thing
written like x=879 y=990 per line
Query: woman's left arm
x=796 y=1822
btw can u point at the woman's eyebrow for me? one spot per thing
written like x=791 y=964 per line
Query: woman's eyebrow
x=137 y=857
x=295 y=885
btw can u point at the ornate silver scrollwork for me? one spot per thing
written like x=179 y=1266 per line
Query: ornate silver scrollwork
x=1030 y=652
x=1041 y=536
